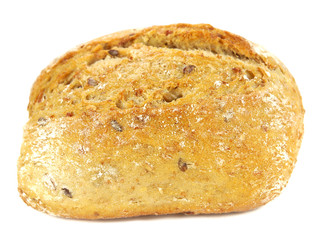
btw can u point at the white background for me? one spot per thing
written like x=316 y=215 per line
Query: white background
x=34 y=33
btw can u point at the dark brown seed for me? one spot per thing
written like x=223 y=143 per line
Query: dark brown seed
x=116 y=126
x=182 y=165
x=66 y=192
x=168 y=32
x=113 y=52
x=92 y=82
x=236 y=70
x=188 y=69
x=69 y=114
x=265 y=128
x=42 y=121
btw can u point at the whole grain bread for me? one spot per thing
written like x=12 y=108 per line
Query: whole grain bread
x=169 y=119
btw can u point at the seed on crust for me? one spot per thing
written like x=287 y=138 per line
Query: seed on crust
x=42 y=121
x=188 y=69
x=116 y=126
x=69 y=114
x=66 y=192
x=182 y=165
x=92 y=82
x=113 y=52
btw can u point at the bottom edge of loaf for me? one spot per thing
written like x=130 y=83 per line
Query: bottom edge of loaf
x=82 y=214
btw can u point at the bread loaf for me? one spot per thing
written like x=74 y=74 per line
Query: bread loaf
x=169 y=119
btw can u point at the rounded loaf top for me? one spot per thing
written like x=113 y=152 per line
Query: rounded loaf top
x=167 y=119
x=136 y=68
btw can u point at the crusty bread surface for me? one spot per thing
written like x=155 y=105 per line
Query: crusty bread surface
x=168 y=119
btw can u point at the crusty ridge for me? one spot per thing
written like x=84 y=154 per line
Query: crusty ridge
x=185 y=37
x=190 y=37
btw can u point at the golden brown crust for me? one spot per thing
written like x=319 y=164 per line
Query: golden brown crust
x=163 y=120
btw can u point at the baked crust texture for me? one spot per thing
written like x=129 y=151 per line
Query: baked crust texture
x=168 y=119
